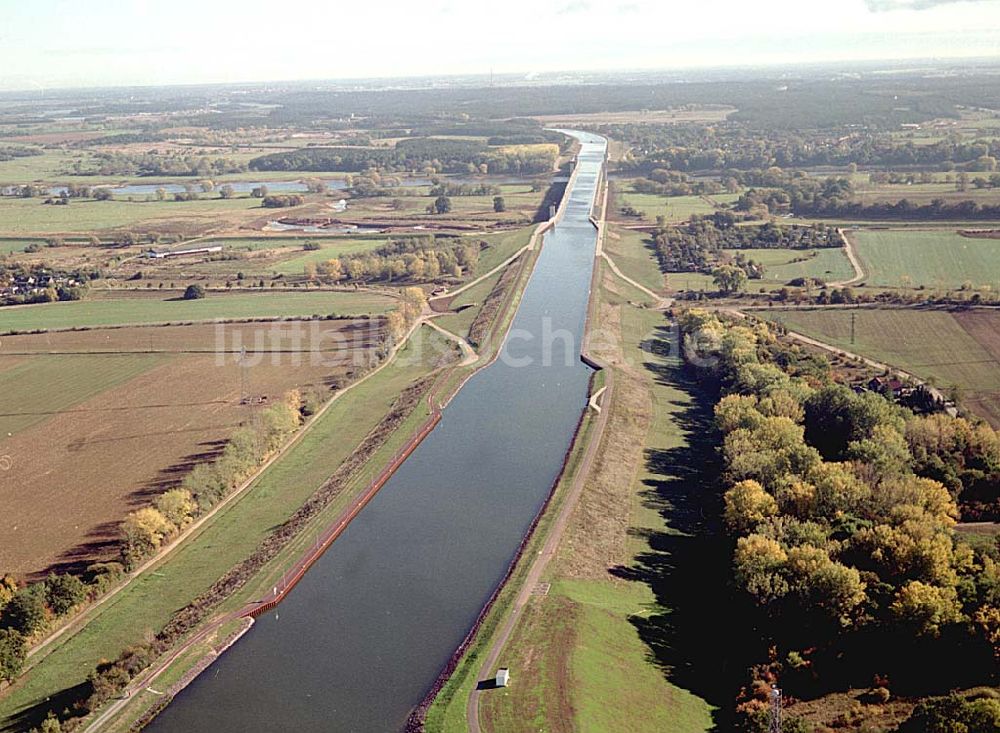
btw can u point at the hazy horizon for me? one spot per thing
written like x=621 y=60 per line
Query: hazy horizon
x=54 y=44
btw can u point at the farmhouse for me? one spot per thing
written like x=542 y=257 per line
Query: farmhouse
x=154 y=255
x=886 y=386
x=30 y=285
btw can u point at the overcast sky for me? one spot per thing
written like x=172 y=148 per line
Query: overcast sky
x=55 y=43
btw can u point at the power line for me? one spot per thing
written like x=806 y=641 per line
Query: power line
x=775 y=724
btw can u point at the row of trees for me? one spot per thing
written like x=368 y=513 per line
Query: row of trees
x=12 y=152
x=739 y=146
x=400 y=319
x=777 y=191
x=415 y=259
x=280 y=202
x=428 y=155
x=27 y=610
x=843 y=536
x=698 y=245
x=159 y=164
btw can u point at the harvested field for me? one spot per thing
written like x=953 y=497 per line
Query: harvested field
x=934 y=259
x=281 y=336
x=100 y=434
x=38 y=387
x=961 y=348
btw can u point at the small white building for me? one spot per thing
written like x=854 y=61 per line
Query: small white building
x=503 y=677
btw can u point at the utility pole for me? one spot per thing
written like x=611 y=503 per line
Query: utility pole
x=853 y=319
x=775 y=724
x=243 y=374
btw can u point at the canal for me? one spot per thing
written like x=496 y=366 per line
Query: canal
x=362 y=638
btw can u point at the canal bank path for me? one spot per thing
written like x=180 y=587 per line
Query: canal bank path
x=541 y=560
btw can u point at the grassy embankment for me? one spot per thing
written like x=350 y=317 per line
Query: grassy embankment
x=147 y=603
x=600 y=650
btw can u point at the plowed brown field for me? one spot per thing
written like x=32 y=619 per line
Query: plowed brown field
x=101 y=423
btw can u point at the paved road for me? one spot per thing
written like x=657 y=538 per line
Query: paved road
x=469 y=355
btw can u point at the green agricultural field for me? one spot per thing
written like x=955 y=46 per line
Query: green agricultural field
x=41 y=386
x=933 y=259
x=928 y=343
x=924 y=193
x=19 y=215
x=330 y=249
x=674 y=208
x=782 y=265
x=8 y=246
x=52 y=164
x=125 y=310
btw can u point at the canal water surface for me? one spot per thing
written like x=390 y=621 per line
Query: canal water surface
x=364 y=635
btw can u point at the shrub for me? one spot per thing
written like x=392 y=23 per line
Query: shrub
x=953 y=713
x=13 y=651
x=102 y=575
x=62 y=592
x=142 y=534
x=876 y=696
x=25 y=612
x=194 y=292
x=177 y=505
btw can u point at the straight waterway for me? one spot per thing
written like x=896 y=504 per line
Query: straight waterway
x=364 y=635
